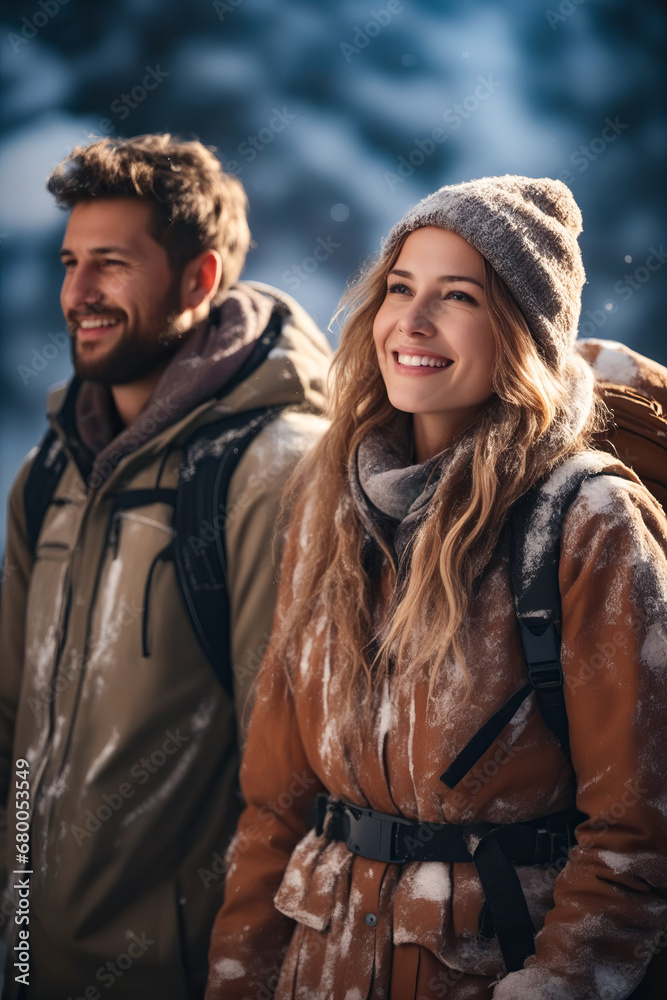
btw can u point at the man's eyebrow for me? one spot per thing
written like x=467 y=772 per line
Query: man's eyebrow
x=98 y=250
x=443 y=277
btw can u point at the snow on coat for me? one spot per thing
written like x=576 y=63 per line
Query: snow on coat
x=355 y=928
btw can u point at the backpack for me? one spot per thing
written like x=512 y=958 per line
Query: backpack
x=635 y=390
x=197 y=548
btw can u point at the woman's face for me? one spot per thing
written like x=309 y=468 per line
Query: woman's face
x=433 y=336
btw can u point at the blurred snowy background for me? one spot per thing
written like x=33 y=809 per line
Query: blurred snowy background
x=337 y=116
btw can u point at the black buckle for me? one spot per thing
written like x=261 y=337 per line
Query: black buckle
x=548 y=847
x=546 y=676
x=376 y=835
x=541 y=647
x=554 y=837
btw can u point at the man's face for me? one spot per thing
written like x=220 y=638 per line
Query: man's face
x=120 y=297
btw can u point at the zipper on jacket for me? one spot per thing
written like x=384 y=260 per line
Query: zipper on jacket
x=162 y=556
x=62 y=638
x=41 y=766
x=111 y=536
x=114 y=533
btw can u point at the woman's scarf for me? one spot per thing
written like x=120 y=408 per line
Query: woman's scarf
x=392 y=493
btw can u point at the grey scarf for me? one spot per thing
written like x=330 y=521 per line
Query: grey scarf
x=391 y=492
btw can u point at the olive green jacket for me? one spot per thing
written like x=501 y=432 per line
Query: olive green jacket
x=133 y=758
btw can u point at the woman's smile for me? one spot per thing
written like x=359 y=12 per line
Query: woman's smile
x=420 y=364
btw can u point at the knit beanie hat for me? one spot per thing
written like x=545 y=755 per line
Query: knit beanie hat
x=527 y=230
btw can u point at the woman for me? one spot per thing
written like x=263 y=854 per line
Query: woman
x=396 y=640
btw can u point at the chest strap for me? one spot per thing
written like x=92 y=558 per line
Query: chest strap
x=493 y=848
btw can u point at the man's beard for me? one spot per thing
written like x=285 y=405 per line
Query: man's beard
x=135 y=356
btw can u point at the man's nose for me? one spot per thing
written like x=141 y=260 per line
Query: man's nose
x=83 y=289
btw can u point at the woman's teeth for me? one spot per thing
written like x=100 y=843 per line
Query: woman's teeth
x=420 y=360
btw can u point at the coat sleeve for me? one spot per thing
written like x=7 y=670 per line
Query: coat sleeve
x=252 y=510
x=250 y=936
x=16 y=571
x=610 y=899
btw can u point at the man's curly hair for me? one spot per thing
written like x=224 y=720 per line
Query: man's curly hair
x=196 y=206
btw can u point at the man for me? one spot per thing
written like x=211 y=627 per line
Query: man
x=119 y=736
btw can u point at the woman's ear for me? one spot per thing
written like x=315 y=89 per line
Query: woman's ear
x=200 y=279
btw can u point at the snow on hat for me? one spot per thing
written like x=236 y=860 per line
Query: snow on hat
x=527 y=230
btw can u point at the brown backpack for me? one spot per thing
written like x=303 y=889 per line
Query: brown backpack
x=635 y=390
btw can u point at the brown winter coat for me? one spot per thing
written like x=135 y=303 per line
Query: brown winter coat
x=133 y=759
x=604 y=911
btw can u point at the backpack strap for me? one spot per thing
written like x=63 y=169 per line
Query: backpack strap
x=43 y=478
x=200 y=513
x=200 y=518
x=534 y=580
x=535 y=525
x=534 y=561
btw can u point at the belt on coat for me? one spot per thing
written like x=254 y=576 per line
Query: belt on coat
x=492 y=848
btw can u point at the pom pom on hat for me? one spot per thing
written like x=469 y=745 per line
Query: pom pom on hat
x=527 y=229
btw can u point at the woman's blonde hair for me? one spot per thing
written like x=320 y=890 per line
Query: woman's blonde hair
x=537 y=417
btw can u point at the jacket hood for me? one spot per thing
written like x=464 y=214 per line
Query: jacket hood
x=192 y=388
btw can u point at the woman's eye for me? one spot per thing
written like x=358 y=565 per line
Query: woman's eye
x=396 y=286
x=458 y=296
